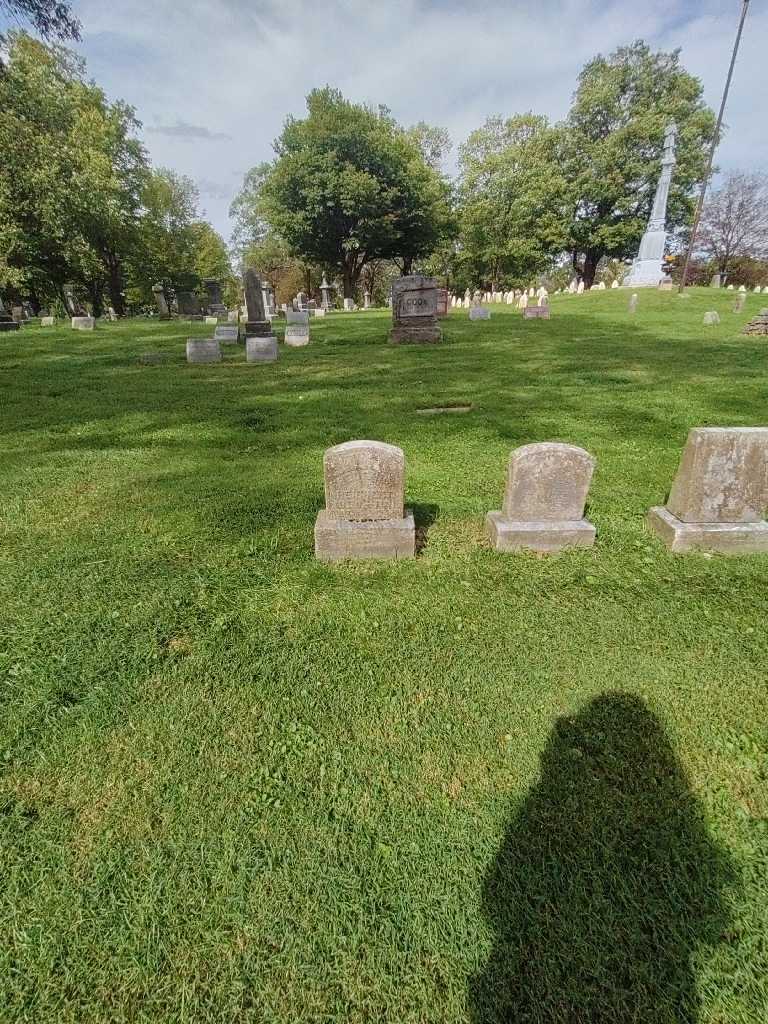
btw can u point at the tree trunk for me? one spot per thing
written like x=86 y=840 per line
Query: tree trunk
x=591 y=259
x=407 y=266
x=114 y=284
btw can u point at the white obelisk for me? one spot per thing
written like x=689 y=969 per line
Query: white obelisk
x=646 y=270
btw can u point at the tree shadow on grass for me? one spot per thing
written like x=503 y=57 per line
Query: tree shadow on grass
x=606 y=883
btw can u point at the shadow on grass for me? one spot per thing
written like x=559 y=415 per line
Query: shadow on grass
x=606 y=883
x=424 y=515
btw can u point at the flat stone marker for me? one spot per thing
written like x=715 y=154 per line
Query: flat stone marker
x=364 y=515
x=83 y=323
x=211 y=320
x=414 y=311
x=203 y=350
x=479 y=313
x=719 y=496
x=536 y=313
x=318 y=311
x=711 y=319
x=227 y=334
x=261 y=350
x=48 y=321
x=547 y=487
x=297 y=335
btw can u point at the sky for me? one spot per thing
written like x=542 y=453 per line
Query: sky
x=213 y=80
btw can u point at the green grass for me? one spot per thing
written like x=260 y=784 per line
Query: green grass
x=242 y=786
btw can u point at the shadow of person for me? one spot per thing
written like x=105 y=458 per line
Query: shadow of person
x=606 y=883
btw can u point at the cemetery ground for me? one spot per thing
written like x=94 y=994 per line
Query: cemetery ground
x=241 y=785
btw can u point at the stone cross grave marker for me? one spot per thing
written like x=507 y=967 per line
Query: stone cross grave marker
x=719 y=496
x=546 y=490
x=364 y=515
x=414 y=311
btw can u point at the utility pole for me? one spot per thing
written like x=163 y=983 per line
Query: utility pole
x=715 y=140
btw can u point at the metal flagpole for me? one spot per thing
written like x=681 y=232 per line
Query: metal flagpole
x=715 y=140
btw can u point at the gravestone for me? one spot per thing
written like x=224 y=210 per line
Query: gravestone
x=233 y=316
x=711 y=319
x=72 y=306
x=414 y=311
x=546 y=490
x=257 y=324
x=297 y=329
x=366 y=300
x=666 y=284
x=716 y=281
x=293 y=316
x=536 y=313
x=17 y=314
x=349 y=305
x=742 y=287
x=325 y=290
x=203 y=350
x=213 y=291
x=522 y=302
x=364 y=515
x=759 y=325
x=741 y=299
x=261 y=349
x=163 y=309
x=7 y=323
x=442 y=302
x=615 y=284
x=83 y=323
x=211 y=321
x=580 y=288
x=633 y=300
x=319 y=311
x=48 y=321
x=719 y=496
x=227 y=334
x=188 y=306
x=479 y=313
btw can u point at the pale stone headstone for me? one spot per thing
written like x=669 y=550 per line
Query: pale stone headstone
x=319 y=311
x=414 y=310
x=297 y=334
x=83 y=323
x=544 y=299
x=730 y=288
x=47 y=321
x=366 y=299
x=233 y=316
x=300 y=316
x=227 y=334
x=364 y=515
x=479 y=313
x=716 y=281
x=537 y=312
x=633 y=300
x=203 y=350
x=325 y=290
x=719 y=496
x=531 y=293
x=615 y=284
x=601 y=286
x=261 y=349
x=711 y=319
x=580 y=288
x=740 y=302
x=522 y=302
x=349 y=305
x=211 y=321
x=742 y=288
x=647 y=267
x=758 y=289
x=546 y=491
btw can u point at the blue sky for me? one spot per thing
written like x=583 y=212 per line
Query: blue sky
x=213 y=80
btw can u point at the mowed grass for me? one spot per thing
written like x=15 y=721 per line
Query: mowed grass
x=239 y=785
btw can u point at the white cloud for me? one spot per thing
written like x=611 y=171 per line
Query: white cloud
x=215 y=79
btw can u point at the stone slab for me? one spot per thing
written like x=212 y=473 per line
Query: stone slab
x=300 y=316
x=415 y=334
x=261 y=350
x=227 y=335
x=9 y=325
x=211 y=320
x=723 y=538
x=479 y=313
x=536 y=313
x=547 y=536
x=83 y=323
x=339 y=539
x=364 y=481
x=203 y=350
x=296 y=335
x=48 y=321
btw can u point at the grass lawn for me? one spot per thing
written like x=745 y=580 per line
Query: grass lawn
x=238 y=785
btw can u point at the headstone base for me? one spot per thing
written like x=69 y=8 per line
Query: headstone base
x=83 y=323
x=415 y=332
x=203 y=350
x=258 y=329
x=725 y=538
x=9 y=325
x=544 y=536
x=261 y=350
x=337 y=539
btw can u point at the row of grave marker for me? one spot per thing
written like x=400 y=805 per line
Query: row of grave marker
x=717 y=501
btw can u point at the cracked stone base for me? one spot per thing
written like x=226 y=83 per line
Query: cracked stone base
x=725 y=538
x=337 y=539
x=548 y=537
x=415 y=335
x=261 y=350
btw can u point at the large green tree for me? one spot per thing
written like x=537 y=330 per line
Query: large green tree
x=348 y=186
x=611 y=147
x=513 y=200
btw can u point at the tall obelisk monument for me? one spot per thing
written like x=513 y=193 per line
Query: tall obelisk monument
x=646 y=270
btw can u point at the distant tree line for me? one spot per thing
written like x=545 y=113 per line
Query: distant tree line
x=79 y=201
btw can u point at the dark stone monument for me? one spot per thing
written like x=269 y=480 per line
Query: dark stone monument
x=161 y=302
x=7 y=323
x=257 y=325
x=213 y=288
x=189 y=306
x=74 y=308
x=414 y=311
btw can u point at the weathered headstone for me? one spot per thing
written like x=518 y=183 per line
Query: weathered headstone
x=666 y=284
x=716 y=281
x=257 y=325
x=522 y=302
x=720 y=494
x=546 y=490
x=711 y=318
x=48 y=321
x=17 y=314
x=72 y=306
x=261 y=349
x=227 y=334
x=633 y=300
x=349 y=305
x=297 y=334
x=188 y=306
x=319 y=311
x=580 y=288
x=442 y=302
x=293 y=316
x=325 y=290
x=83 y=323
x=364 y=515
x=163 y=309
x=741 y=299
x=536 y=313
x=479 y=313
x=203 y=350
x=414 y=311
x=614 y=284
x=213 y=290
